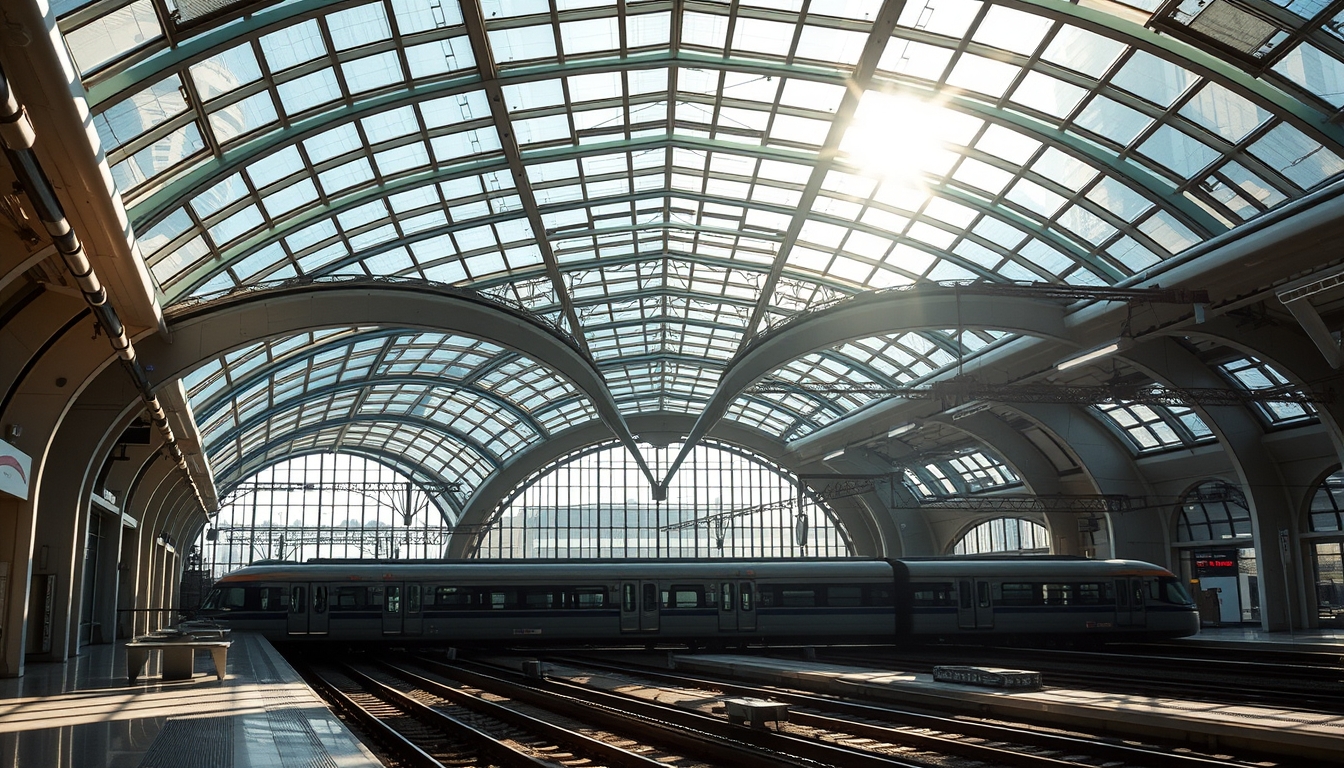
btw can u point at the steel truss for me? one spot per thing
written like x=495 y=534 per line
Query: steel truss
x=376 y=541
x=953 y=393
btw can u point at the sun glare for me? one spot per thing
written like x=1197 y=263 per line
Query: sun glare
x=894 y=137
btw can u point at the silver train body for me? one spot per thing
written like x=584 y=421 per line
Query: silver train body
x=706 y=603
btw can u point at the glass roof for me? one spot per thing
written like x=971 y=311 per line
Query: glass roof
x=667 y=180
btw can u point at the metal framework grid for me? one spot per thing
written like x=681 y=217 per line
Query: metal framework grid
x=324 y=505
x=723 y=503
x=664 y=180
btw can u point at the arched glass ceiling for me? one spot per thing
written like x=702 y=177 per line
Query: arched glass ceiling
x=453 y=400
x=891 y=360
x=666 y=180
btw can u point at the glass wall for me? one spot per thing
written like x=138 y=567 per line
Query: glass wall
x=1326 y=539
x=723 y=502
x=1011 y=535
x=327 y=505
x=1217 y=553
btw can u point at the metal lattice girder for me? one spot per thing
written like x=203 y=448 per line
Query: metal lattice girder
x=445 y=487
x=1083 y=503
x=374 y=539
x=956 y=392
x=1089 y=293
x=730 y=514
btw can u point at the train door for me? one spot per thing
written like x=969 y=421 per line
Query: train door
x=392 y=609
x=629 y=606
x=1129 y=598
x=975 y=609
x=318 y=616
x=650 y=608
x=415 y=617
x=298 y=609
x=727 y=607
x=746 y=606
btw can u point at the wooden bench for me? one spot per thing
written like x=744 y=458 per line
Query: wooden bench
x=179 y=655
x=756 y=712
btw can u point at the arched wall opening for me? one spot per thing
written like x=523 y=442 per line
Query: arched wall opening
x=321 y=505
x=1324 y=538
x=1215 y=546
x=1005 y=535
x=724 y=501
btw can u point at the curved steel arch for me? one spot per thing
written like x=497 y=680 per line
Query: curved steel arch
x=873 y=314
x=207 y=330
x=243 y=461
x=308 y=396
x=774 y=467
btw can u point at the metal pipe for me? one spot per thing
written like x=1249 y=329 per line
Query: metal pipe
x=18 y=137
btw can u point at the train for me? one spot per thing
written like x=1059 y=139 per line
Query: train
x=705 y=603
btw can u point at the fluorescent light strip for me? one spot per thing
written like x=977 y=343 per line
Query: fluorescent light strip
x=1089 y=356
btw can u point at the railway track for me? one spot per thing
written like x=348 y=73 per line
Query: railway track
x=918 y=738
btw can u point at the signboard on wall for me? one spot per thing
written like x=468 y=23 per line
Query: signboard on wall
x=16 y=471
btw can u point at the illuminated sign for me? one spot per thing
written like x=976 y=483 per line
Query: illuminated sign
x=1215 y=563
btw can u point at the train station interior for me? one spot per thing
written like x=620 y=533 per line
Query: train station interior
x=687 y=279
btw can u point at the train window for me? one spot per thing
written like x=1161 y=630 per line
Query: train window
x=1122 y=593
x=227 y=599
x=348 y=599
x=964 y=593
x=1095 y=594
x=935 y=594
x=628 y=598
x=538 y=598
x=272 y=598
x=320 y=599
x=797 y=597
x=1058 y=594
x=684 y=596
x=413 y=598
x=393 y=603
x=376 y=597
x=726 y=596
x=650 y=597
x=499 y=599
x=844 y=597
x=884 y=595
x=744 y=591
x=298 y=599
x=585 y=597
x=455 y=598
x=1169 y=591
x=1013 y=593
x=982 y=592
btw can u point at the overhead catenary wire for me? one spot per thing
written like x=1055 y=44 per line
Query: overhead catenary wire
x=17 y=139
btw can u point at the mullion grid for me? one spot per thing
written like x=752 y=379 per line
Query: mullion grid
x=323 y=513
x=596 y=503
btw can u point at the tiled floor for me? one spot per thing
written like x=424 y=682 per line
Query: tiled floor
x=83 y=714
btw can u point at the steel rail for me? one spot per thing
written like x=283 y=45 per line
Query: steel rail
x=700 y=734
x=586 y=744
x=1105 y=750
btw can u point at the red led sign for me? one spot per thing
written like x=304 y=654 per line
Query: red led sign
x=1215 y=563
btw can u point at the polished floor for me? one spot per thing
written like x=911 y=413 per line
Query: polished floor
x=1254 y=634
x=83 y=714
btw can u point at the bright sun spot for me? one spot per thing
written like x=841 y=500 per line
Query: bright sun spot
x=894 y=137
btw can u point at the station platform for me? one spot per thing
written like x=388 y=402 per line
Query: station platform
x=83 y=714
x=1282 y=733
x=1297 y=640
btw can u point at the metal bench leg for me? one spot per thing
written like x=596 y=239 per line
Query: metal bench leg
x=221 y=658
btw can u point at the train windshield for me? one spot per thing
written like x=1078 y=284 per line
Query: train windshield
x=211 y=601
x=1171 y=590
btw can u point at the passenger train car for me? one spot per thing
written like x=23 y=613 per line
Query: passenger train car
x=709 y=602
